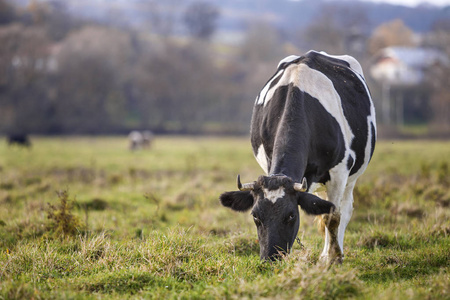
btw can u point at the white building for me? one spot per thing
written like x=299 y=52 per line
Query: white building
x=401 y=70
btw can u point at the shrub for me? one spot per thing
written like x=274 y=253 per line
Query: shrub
x=62 y=221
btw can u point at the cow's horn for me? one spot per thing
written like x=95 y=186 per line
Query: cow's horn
x=245 y=186
x=301 y=187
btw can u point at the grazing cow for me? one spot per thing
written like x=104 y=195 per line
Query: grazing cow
x=147 y=138
x=313 y=124
x=136 y=139
x=19 y=140
x=139 y=140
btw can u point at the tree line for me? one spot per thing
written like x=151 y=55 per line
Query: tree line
x=61 y=74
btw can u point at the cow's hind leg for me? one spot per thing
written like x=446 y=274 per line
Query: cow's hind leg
x=346 y=210
x=335 y=224
x=332 y=251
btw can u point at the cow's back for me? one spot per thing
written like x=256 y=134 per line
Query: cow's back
x=316 y=102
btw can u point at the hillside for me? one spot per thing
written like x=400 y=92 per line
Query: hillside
x=235 y=15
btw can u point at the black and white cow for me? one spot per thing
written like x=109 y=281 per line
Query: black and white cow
x=313 y=124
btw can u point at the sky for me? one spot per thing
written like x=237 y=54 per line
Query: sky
x=411 y=3
x=414 y=2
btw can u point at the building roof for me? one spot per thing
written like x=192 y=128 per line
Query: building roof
x=405 y=66
x=416 y=57
x=413 y=57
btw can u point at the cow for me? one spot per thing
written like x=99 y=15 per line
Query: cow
x=19 y=140
x=135 y=139
x=140 y=140
x=313 y=128
x=147 y=138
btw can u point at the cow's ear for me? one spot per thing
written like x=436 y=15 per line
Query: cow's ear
x=238 y=201
x=313 y=205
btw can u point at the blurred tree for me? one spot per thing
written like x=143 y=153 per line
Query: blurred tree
x=439 y=80
x=172 y=81
x=86 y=88
x=200 y=19
x=59 y=22
x=261 y=43
x=7 y=12
x=38 y=11
x=439 y=36
x=161 y=17
x=438 y=76
x=53 y=16
x=92 y=68
x=394 y=33
x=325 y=34
x=24 y=64
x=338 y=29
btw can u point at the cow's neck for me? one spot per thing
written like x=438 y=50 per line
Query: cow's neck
x=289 y=165
x=289 y=156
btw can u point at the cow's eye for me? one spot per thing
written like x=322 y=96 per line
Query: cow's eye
x=257 y=220
x=290 y=218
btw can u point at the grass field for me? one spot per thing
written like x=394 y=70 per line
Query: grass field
x=84 y=218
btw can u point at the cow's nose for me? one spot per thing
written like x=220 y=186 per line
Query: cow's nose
x=270 y=258
x=275 y=255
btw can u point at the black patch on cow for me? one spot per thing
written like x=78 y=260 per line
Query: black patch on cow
x=237 y=200
x=326 y=60
x=264 y=125
x=350 y=162
x=355 y=100
x=296 y=131
x=374 y=137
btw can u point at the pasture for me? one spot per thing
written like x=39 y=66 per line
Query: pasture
x=85 y=218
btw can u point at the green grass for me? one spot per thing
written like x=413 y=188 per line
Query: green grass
x=85 y=218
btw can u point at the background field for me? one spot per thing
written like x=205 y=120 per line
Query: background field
x=148 y=224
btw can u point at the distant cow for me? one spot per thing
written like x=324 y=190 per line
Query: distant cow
x=139 y=140
x=147 y=138
x=313 y=124
x=135 y=138
x=19 y=139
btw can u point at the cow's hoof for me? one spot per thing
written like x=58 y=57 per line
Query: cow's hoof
x=338 y=260
x=331 y=260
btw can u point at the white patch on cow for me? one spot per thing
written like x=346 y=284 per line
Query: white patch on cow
x=288 y=59
x=263 y=94
x=273 y=195
x=319 y=86
x=261 y=158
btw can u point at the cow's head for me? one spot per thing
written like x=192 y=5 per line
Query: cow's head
x=274 y=201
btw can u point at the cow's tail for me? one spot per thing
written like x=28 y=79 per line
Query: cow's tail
x=320 y=224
